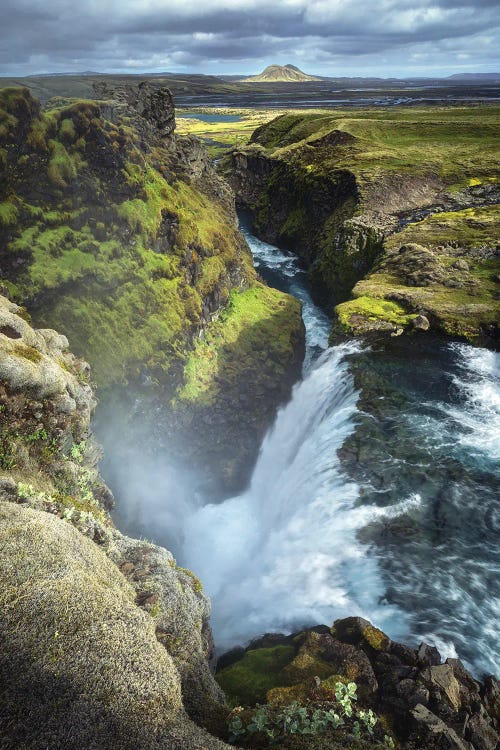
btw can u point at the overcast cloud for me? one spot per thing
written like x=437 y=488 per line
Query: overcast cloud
x=327 y=37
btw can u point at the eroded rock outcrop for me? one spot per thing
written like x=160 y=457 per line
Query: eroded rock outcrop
x=344 y=194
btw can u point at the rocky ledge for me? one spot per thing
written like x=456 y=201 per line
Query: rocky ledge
x=419 y=702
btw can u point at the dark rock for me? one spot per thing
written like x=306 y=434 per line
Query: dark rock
x=412 y=693
x=430 y=732
x=406 y=654
x=428 y=655
x=357 y=631
x=480 y=732
x=350 y=629
x=491 y=699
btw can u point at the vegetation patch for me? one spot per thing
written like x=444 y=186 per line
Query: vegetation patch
x=248 y=680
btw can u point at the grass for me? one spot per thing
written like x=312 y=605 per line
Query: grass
x=98 y=260
x=222 y=136
x=456 y=144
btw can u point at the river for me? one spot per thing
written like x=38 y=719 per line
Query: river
x=376 y=492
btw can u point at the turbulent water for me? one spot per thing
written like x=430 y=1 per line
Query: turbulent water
x=376 y=492
x=403 y=530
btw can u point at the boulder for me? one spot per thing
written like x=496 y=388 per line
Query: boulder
x=80 y=665
x=430 y=732
x=442 y=679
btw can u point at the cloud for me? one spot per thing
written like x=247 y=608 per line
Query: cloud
x=385 y=36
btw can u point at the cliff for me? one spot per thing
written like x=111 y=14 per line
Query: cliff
x=105 y=640
x=119 y=234
x=346 y=192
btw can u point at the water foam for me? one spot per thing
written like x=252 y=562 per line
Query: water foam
x=285 y=553
x=479 y=385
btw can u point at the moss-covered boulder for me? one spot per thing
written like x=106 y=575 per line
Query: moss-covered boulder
x=448 y=286
x=79 y=661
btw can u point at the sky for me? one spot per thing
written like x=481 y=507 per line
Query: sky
x=326 y=37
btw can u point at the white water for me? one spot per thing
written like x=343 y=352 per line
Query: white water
x=285 y=553
x=478 y=381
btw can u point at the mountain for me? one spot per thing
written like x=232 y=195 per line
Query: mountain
x=281 y=74
x=475 y=77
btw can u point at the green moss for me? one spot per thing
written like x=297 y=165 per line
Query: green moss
x=27 y=352
x=372 y=309
x=8 y=213
x=115 y=283
x=67 y=130
x=375 y=638
x=233 y=344
x=61 y=169
x=249 y=679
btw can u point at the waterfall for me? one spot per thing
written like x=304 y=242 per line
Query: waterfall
x=285 y=553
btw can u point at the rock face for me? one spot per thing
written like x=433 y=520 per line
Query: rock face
x=429 y=705
x=387 y=243
x=155 y=105
x=119 y=234
x=104 y=638
x=308 y=214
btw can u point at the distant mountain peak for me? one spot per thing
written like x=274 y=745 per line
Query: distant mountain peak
x=281 y=74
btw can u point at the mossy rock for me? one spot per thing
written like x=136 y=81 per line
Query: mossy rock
x=78 y=658
x=248 y=680
x=368 y=314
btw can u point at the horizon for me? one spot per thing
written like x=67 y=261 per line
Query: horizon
x=324 y=75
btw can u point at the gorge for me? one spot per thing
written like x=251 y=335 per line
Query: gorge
x=305 y=472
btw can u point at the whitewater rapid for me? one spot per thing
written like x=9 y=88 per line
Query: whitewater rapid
x=285 y=552
x=415 y=551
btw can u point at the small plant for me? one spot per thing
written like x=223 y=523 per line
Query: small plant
x=25 y=491
x=345 y=695
x=37 y=435
x=275 y=723
x=369 y=720
x=77 y=451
